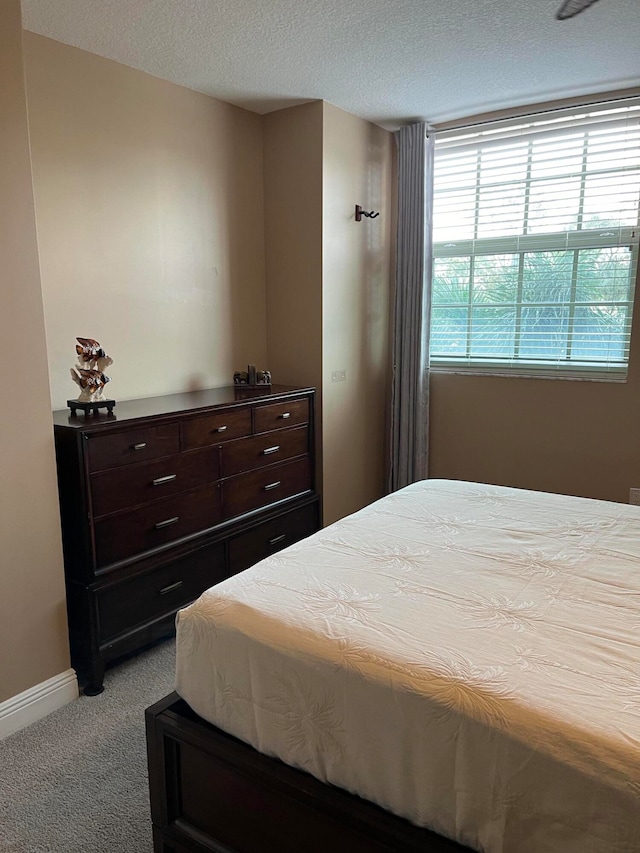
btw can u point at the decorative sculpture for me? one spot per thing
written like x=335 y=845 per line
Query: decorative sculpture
x=252 y=377
x=90 y=377
x=90 y=353
x=91 y=384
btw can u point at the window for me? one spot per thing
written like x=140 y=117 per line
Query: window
x=535 y=230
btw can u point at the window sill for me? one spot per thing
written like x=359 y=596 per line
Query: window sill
x=619 y=379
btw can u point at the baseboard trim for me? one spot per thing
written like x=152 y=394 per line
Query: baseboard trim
x=38 y=701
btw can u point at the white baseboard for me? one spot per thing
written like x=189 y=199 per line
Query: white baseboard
x=38 y=701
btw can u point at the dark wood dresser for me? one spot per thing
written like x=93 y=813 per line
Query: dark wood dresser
x=169 y=495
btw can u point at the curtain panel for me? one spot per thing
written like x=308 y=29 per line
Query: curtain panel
x=412 y=309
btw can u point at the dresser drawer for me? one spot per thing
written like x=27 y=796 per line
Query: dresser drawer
x=280 y=415
x=214 y=428
x=130 y=533
x=151 y=595
x=272 y=536
x=249 y=491
x=249 y=453
x=136 y=445
x=151 y=481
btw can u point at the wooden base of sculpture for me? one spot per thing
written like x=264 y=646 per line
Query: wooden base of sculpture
x=91 y=408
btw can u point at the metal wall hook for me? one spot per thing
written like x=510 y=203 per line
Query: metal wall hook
x=369 y=214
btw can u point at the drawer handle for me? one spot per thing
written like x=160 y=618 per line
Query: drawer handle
x=221 y=429
x=169 y=521
x=140 y=446
x=277 y=539
x=161 y=480
x=273 y=449
x=270 y=486
x=170 y=588
x=285 y=415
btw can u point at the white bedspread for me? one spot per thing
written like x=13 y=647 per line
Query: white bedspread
x=467 y=656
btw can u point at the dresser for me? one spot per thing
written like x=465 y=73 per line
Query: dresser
x=169 y=495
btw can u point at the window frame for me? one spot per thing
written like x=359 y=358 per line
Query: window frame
x=519 y=129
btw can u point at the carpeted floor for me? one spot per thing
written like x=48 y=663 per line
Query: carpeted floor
x=76 y=781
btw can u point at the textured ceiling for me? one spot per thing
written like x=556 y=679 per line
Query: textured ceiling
x=388 y=61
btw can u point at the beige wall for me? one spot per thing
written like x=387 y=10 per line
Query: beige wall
x=328 y=285
x=577 y=438
x=149 y=205
x=357 y=160
x=33 y=634
x=293 y=239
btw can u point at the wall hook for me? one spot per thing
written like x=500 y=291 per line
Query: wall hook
x=360 y=213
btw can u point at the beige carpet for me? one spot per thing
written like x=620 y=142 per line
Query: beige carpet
x=76 y=781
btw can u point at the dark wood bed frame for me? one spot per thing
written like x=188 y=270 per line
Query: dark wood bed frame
x=212 y=792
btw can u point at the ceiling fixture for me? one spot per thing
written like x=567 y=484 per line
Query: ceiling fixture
x=572 y=7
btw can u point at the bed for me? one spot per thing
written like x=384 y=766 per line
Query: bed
x=456 y=666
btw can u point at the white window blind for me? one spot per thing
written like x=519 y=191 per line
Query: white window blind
x=536 y=243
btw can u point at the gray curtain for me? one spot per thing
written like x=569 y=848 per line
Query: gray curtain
x=414 y=255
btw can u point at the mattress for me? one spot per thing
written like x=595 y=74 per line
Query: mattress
x=466 y=656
